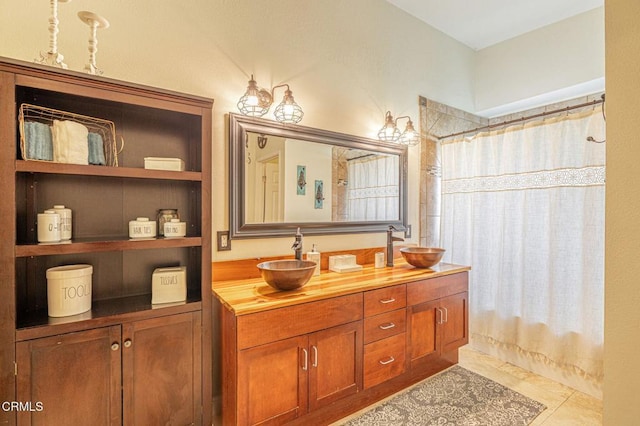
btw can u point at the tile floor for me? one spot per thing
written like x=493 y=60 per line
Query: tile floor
x=565 y=406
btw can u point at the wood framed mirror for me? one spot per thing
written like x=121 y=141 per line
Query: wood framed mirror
x=287 y=176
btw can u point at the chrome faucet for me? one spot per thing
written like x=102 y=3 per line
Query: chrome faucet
x=390 y=240
x=297 y=245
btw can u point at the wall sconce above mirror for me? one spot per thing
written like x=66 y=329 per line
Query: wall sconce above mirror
x=390 y=132
x=321 y=181
x=256 y=101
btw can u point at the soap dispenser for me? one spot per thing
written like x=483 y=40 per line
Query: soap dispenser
x=314 y=256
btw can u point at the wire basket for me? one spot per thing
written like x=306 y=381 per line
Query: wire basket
x=105 y=128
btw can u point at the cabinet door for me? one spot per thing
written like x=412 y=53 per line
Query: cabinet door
x=161 y=362
x=424 y=341
x=455 y=326
x=272 y=382
x=335 y=363
x=73 y=378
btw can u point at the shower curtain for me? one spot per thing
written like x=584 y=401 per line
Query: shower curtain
x=373 y=188
x=524 y=207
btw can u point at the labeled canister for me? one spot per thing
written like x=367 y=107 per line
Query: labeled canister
x=165 y=215
x=142 y=227
x=69 y=290
x=65 y=221
x=49 y=227
x=175 y=228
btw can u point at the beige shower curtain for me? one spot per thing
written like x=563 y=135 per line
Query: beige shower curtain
x=524 y=207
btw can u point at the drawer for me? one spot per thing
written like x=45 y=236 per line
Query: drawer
x=384 y=360
x=277 y=324
x=436 y=288
x=384 y=300
x=385 y=325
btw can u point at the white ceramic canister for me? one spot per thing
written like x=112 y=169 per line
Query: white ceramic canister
x=379 y=260
x=175 y=228
x=69 y=290
x=49 y=227
x=142 y=227
x=65 y=221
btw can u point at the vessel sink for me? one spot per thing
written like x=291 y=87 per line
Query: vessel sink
x=422 y=257
x=287 y=274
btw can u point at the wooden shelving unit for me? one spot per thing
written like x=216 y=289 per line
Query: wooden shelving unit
x=123 y=333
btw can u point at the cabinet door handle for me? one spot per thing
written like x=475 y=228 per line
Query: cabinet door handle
x=385 y=301
x=115 y=346
x=315 y=356
x=386 y=326
x=127 y=343
x=441 y=318
x=446 y=315
x=305 y=366
x=387 y=361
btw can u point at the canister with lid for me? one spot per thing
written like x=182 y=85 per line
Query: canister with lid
x=165 y=215
x=48 y=227
x=65 y=221
x=175 y=228
x=142 y=227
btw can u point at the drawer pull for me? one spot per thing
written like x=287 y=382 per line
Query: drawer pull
x=386 y=326
x=388 y=361
x=115 y=346
x=385 y=301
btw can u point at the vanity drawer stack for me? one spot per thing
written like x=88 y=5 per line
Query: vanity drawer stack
x=384 y=334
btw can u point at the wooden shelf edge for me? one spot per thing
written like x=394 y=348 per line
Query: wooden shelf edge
x=123 y=172
x=102 y=314
x=101 y=246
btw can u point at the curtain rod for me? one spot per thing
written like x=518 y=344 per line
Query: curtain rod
x=529 y=117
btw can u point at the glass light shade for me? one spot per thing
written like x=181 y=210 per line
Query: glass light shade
x=389 y=132
x=255 y=102
x=288 y=111
x=410 y=136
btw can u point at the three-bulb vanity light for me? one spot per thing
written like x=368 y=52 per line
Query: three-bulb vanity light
x=256 y=102
x=391 y=133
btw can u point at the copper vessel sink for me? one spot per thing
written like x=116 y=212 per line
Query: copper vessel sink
x=422 y=257
x=287 y=274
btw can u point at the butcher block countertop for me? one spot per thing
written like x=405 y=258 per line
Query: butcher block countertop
x=246 y=296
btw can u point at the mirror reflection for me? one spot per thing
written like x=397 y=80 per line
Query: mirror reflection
x=292 y=180
x=282 y=177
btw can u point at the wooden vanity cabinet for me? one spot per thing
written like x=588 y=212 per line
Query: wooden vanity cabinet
x=293 y=360
x=437 y=318
x=125 y=361
x=316 y=362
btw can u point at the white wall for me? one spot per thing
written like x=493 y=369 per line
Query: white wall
x=317 y=159
x=565 y=59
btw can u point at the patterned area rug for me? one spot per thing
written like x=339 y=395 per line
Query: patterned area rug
x=454 y=397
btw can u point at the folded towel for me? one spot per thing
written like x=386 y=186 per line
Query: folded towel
x=38 y=143
x=96 y=149
x=70 y=142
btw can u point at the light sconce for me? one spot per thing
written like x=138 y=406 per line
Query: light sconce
x=390 y=132
x=257 y=101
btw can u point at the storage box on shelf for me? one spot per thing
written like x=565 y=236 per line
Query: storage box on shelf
x=104 y=199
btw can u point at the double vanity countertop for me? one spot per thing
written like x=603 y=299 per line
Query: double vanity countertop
x=246 y=296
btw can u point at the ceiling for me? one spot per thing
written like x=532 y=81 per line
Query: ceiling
x=480 y=24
